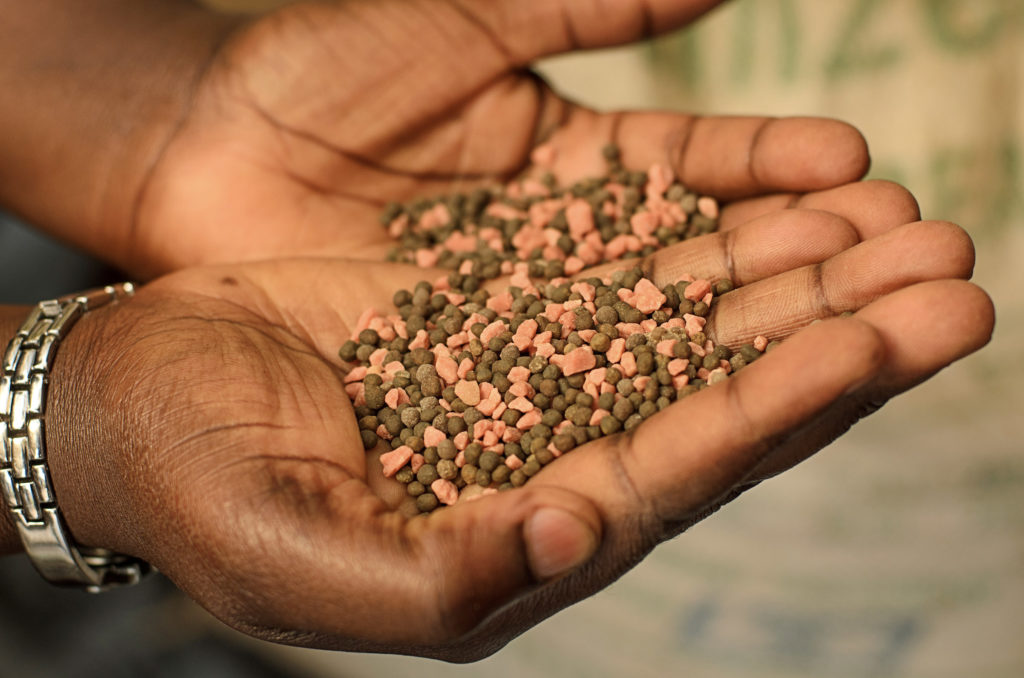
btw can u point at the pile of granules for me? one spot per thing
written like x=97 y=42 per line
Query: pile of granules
x=556 y=231
x=477 y=393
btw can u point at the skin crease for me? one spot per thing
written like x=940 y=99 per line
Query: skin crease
x=238 y=469
x=271 y=126
x=293 y=128
x=240 y=474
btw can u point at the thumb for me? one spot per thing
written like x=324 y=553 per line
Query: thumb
x=557 y=541
x=487 y=552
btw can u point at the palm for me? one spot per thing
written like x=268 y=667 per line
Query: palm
x=261 y=503
x=310 y=119
x=309 y=122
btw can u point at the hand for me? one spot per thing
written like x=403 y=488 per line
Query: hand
x=217 y=441
x=312 y=118
x=285 y=135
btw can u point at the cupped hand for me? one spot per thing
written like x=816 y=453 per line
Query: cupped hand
x=309 y=119
x=203 y=425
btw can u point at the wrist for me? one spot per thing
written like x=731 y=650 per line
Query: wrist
x=82 y=452
x=93 y=94
x=45 y=468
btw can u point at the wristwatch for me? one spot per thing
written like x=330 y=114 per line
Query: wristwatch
x=24 y=475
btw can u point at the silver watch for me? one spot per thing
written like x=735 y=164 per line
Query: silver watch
x=24 y=476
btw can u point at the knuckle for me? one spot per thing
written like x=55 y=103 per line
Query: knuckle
x=836 y=225
x=649 y=521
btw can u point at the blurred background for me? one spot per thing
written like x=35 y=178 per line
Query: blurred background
x=897 y=551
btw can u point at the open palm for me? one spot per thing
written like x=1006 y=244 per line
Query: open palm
x=309 y=119
x=227 y=453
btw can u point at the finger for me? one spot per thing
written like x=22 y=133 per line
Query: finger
x=326 y=297
x=686 y=459
x=924 y=328
x=727 y=157
x=372 y=578
x=873 y=207
x=531 y=29
x=484 y=553
x=436 y=579
x=779 y=306
x=626 y=491
x=680 y=464
x=770 y=244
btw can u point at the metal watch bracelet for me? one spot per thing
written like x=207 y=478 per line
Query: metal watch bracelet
x=24 y=475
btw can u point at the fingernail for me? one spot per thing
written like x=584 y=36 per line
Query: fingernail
x=556 y=542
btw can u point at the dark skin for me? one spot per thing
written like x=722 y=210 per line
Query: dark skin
x=238 y=463
x=217 y=437
x=207 y=138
